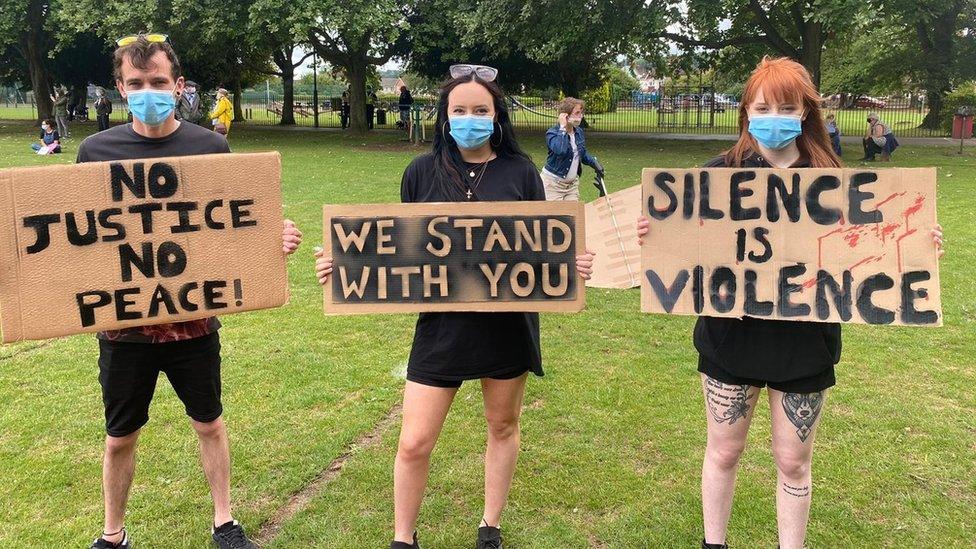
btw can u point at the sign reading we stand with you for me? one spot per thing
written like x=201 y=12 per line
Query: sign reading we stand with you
x=826 y=245
x=457 y=256
x=108 y=245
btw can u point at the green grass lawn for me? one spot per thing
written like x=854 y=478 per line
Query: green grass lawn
x=613 y=435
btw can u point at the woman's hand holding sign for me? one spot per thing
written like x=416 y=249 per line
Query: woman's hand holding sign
x=323 y=266
x=939 y=241
x=584 y=264
x=291 y=237
x=643 y=227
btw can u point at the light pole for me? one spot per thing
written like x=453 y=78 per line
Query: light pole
x=315 y=89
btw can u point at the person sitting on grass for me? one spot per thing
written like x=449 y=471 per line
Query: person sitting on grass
x=879 y=139
x=50 y=139
x=834 y=133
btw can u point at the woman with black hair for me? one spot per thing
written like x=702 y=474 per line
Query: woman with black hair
x=475 y=157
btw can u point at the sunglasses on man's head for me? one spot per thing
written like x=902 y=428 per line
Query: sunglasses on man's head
x=132 y=39
x=488 y=74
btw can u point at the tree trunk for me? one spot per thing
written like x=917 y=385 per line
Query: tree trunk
x=936 y=41
x=34 y=42
x=811 y=51
x=238 y=97
x=356 y=74
x=282 y=59
x=288 y=98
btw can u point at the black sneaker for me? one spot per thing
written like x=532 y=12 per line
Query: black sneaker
x=230 y=535
x=489 y=537
x=405 y=545
x=714 y=545
x=101 y=543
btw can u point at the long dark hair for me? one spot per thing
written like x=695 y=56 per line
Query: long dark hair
x=448 y=164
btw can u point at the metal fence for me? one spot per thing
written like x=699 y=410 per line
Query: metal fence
x=671 y=110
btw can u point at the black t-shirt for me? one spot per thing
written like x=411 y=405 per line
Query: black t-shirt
x=762 y=349
x=460 y=346
x=123 y=143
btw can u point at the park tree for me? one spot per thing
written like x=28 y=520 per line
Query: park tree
x=25 y=29
x=439 y=39
x=941 y=28
x=577 y=41
x=279 y=22
x=355 y=36
x=799 y=29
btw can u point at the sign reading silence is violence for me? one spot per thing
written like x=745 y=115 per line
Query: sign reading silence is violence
x=479 y=256
x=826 y=245
x=109 y=245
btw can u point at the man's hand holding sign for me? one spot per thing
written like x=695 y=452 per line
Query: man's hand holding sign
x=827 y=245
x=499 y=256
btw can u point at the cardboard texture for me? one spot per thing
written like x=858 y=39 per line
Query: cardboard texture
x=77 y=255
x=456 y=256
x=844 y=245
x=611 y=233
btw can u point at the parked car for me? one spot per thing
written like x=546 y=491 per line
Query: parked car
x=868 y=102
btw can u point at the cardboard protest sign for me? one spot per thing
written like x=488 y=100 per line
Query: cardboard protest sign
x=827 y=245
x=108 y=245
x=611 y=233
x=456 y=256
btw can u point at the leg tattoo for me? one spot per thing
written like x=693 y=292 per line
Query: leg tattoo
x=726 y=403
x=802 y=410
x=796 y=491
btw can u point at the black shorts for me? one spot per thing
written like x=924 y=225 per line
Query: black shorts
x=805 y=385
x=128 y=373
x=455 y=383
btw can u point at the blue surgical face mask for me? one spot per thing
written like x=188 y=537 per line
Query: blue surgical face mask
x=471 y=132
x=151 y=107
x=775 y=131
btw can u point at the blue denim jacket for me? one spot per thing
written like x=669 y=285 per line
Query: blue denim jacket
x=561 y=152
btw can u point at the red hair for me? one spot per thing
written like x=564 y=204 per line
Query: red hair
x=783 y=80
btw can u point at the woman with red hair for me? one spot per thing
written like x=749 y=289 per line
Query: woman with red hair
x=780 y=126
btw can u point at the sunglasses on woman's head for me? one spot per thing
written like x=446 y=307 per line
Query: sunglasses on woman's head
x=131 y=39
x=488 y=74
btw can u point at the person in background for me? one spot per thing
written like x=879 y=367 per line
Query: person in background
x=60 y=99
x=879 y=139
x=370 y=107
x=50 y=138
x=147 y=75
x=344 y=113
x=188 y=108
x=406 y=102
x=567 y=153
x=834 y=133
x=222 y=114
x=475 y=156
x=103 y=108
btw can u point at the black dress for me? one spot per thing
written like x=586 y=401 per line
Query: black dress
x=449 y=348
x=791 y=356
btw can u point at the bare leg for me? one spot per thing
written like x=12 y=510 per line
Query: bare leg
x=215 y=457
x=503 y=406
x=424 y=410
x=728 y=411
x=118 y=468
x=795 y=419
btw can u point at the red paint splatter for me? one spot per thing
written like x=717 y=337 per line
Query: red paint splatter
x=868 y=259
x=889 y=199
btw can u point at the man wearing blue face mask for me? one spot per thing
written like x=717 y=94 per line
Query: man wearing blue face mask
x=147 y=74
